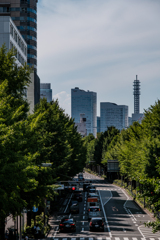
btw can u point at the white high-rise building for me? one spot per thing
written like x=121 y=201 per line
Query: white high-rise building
x=85 y=102
x=112 y=114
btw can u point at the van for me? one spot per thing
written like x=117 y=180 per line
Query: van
x=92 y=201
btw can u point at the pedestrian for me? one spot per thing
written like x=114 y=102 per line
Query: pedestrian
x=6 y=235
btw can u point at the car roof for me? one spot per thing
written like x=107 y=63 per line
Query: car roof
x=94 y=207
x=96 y=218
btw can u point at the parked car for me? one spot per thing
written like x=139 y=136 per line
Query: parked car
x=94 y=211
x=74 y=208
x=96 y=223
x=67 y=224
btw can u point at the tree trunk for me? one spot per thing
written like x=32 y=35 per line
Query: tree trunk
x=29 y=215
x=2 y=228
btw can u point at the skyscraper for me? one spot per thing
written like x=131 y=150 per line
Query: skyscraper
x=46 y=91
x=85 y=102
x=24 y=15
x=112 y=114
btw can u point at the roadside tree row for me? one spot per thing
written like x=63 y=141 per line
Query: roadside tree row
x=28 y=140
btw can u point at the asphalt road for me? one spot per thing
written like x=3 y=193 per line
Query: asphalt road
x=124 y=219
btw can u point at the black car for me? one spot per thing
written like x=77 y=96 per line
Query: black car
x=78 y=195
x=85 y=186
x=90 y=187
x=74 y=208
x=67 y=224
x=96 y=223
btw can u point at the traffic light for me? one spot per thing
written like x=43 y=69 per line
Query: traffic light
x=73 y=188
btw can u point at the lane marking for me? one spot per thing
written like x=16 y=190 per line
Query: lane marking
x=82 y=229
x=55 y=232
x=105 y=216
x=125 y=238
x=84 y=212
x=83 y=217
x=82 y=223
x=108 y=198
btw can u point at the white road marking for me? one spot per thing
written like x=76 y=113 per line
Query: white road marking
x=125 y=238
x=107 y=238
x=64 y=238
x=82 y=223
x=134 y=238
x=105 y=216
x=84 y=212
x=83 y=217
x=108 y=198
x=82 y=229
x=90 y=238
x=117 y=238
x=99 y=238
x=84 y=208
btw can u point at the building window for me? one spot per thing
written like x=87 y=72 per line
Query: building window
x=11 y=29
x=15 y=36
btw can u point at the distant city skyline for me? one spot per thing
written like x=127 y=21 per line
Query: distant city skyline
x=84 y=103
x=100 y=46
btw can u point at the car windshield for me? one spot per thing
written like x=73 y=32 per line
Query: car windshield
x=97 y=221
x=94 y=209
x=67 y=220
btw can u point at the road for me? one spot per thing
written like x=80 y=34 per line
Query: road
x=124 y=219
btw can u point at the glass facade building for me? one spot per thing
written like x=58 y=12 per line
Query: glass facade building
x=46 y=91
x=85 y=102
x=24 y=15
x=112 y=114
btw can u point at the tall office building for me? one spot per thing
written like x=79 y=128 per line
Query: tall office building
x=112 y=114
x=85 y=102
x=11 y=37
x=46 y=91
x=24 y=15
x=136 y=116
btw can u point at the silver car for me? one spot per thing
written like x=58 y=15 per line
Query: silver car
x=94 y=211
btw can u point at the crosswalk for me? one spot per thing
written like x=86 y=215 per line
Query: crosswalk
x=105 y=238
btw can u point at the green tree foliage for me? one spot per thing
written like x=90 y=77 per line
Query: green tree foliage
x=15 y=171
x=138 y=151
x=28 y=140
x=89 y=143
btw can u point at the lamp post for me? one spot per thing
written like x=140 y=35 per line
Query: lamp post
x=45 y=165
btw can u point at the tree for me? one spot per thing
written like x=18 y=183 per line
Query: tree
x=15 y=172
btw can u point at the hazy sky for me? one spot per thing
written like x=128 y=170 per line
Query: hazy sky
x=100 y=46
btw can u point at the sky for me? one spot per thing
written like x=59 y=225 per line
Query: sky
x=100 y=46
